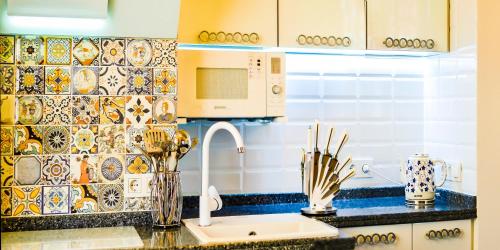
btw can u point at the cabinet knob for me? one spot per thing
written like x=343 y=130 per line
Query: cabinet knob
x=254 y=38
x=276 y=89
x=346 y=41
x=221 y=36
x=324 y=40
x=338 y=41
x=423 y=44
x=416 y=43
x=403 y=43
x=430 y=44
x=245 y=38
x=331 y=41
x=212 y=36
x=389 y=42
x=317 y=40
x=229 y=37
x=203 y=36
x=237 y=37
x=410 y=43
x=301 y=39
x=309 y=40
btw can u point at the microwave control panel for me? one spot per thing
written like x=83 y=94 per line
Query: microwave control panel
x=276 y=87
x=256 y=65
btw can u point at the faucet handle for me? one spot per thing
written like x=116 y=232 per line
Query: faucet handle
x=215 y=202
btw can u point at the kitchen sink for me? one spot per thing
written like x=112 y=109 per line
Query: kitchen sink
x=259 y=228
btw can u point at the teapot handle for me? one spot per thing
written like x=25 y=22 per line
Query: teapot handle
x=444 y=172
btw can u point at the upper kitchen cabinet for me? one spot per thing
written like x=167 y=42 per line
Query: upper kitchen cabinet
x=420 y=25
x=229 y=22
x=339 y=24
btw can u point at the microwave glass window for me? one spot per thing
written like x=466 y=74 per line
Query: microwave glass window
x=221 y=83
x=275 y=65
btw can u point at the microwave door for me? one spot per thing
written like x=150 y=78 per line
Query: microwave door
x=223 y=87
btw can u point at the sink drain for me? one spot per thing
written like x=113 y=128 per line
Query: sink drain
x=252 y=233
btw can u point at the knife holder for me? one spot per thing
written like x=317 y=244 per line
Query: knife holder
x=314 y=208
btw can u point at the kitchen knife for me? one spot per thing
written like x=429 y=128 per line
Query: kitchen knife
x=335 y=175
x=325 y=159
x=317 y=154
x=335 y=188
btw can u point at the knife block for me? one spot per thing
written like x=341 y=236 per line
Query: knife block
x=314 y=207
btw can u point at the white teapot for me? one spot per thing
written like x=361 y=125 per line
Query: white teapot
x=418 y=177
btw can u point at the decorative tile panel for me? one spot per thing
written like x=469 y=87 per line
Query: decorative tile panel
x=30 y=80
x=7 y=79
x=29 y=110
x=58 y=51
x=85 y=51
x=7 y=170
x=112 y=81
x=6 y=140
x=57 y=80
x=55 y=170
x=27 y=200
x=73 y=110
x=7 y=46
x=112 y=52
x=30 y=50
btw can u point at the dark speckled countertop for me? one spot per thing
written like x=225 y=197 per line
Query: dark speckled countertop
x=356 y=207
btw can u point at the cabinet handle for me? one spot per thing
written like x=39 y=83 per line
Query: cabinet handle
x=221 y=37
x=416 y=43
x=323 y=40
x=443 y=234
x=375 y=239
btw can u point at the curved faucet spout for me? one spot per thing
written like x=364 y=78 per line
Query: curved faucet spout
x=206 y=198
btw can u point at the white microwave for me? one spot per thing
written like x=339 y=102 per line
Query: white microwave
x=230 y=84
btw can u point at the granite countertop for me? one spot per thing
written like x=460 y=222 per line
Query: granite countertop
x=356 y=207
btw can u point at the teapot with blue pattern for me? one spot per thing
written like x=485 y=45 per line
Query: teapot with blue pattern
x=418 y=176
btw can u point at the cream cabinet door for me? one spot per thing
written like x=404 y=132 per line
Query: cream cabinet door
x=393 y=237
x=408 y=25
x=235 y=22
x=322 y=23
x=445 y=235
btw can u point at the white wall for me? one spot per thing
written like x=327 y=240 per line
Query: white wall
x=379 y=101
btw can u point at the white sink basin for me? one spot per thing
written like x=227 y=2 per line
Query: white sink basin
x=259 y=228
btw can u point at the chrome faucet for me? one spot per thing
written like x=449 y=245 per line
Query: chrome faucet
x=210 y=199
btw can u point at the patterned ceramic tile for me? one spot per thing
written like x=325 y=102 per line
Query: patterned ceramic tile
x=58 y=51
x=85 y=51
x=111 y=168
x=84 y=139
x=112 y=81
x=112 y=109
x=55 y=170
x=57 y=110
x=26 y=200
x=7 y=109
x=55 y=200
x=111 y=139
x=29 y=110
x=84 y=198
x=134 y=204
x=56 y=140
x=112 y=51
x=30 y=80
x=7 y=79
x=139 y=52
x=164 y=51
x=138 y=164
x=135 y=136
x=6 y=201
x=57 y=80
x=138 y=110
x=6 y=140
x=164 y=109
x=85 y=80
x=27 y=170
x=110 y=198
x=165 y=81
x=30 y=50
x=84 y=169
x=28 y=140
x=7 y=170
x=85 y=110
x=139 y=81
x=7 y=49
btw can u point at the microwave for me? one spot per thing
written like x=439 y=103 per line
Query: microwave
x=230 y=84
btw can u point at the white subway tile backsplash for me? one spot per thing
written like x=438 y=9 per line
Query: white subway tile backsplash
x=375 y=110
x=303 y=87
x=409 y=132
x=339 y=88
x=264 y=134
x=409 y=89
x=306 y=111
x=340 y=110
x=408 y=110
x=376 y=132
x=226 y=181
x=264 y=157
x=378 y=88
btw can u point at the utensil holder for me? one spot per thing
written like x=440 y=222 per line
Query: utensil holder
x=166 y=199
x=314 y=208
